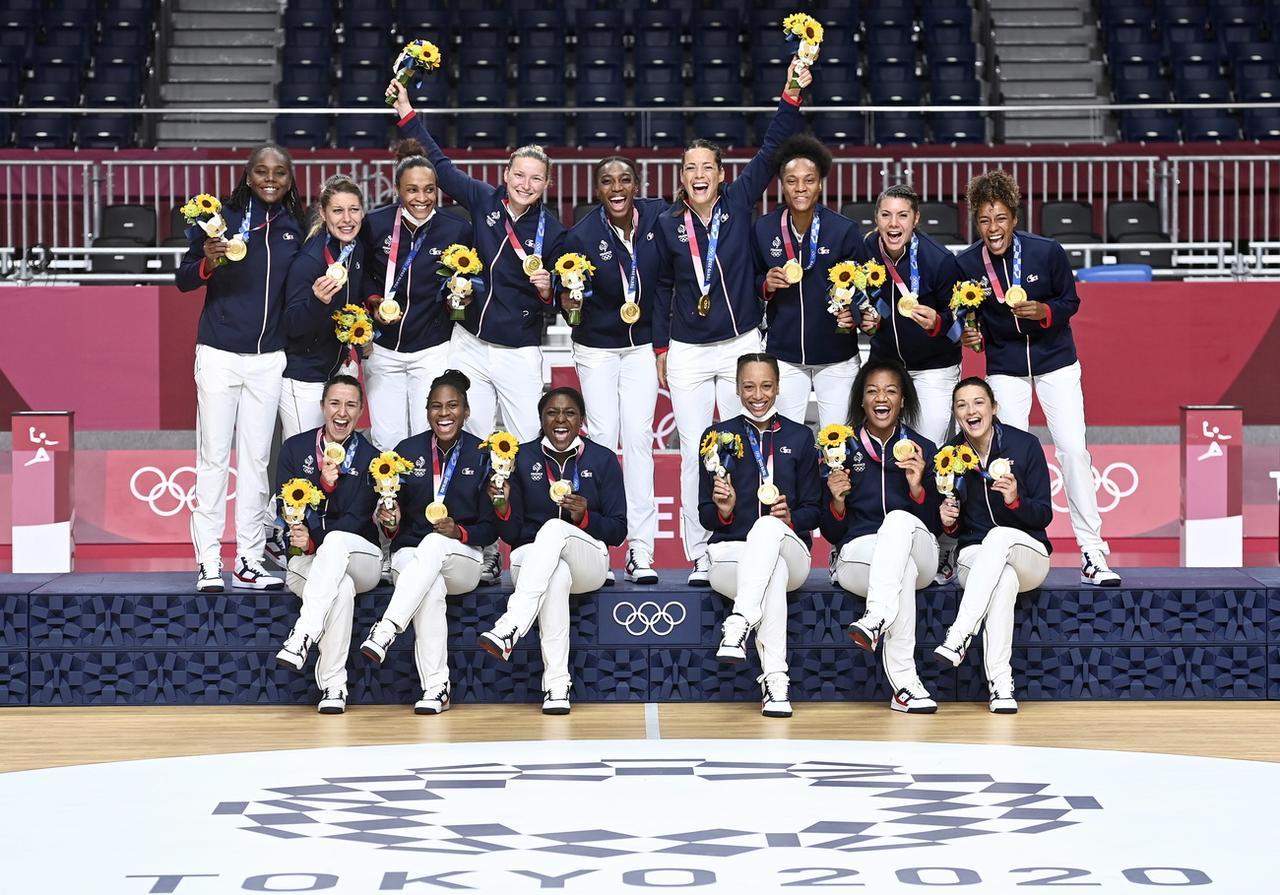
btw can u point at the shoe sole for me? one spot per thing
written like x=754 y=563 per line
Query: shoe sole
x=910 y=710
x=492 y=649
x=1084 y=580
x=287 y=663
x=557 y=711
x=371 y=653
x=945 y=661
x=332 y=711
x=245 y=585
x=771 y=713
x=731 y=658
x=861 y=640
x=426 y=711
x=693 y=583
x=642 y=579
x=1004 y=711
x=210 y=588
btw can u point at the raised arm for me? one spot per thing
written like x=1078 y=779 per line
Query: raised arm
x=466 y=190
x=755 y=177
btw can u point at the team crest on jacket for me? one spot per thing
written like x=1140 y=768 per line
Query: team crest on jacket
x=680 y=234
x=606 y=253
x=492 y=218
x=309 y=464
x=386 y=245
x=859 y=464
x=776 y=248
x=420 y=468
x=536 y=472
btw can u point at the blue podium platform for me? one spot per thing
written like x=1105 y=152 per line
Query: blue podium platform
x=149 y=639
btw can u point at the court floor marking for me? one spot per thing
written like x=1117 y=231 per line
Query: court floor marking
x=652 y=730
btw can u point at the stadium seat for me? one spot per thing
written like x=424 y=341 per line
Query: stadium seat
x=479 y=88
x=74 y=39
x=898 y=127
x=1209 y=124
x=545 y=128
x=958 y=127
x=1257 y=81
x=541 y=40
x=20 y=13
x=597 y=34
x=840 y=128
x=303 y=131
x=133 y=13
x=1077 y=257
x=363 y=87
x=136 y=222
x=422 y=18
x=662 y=85
x=953 y=84
x=658 y=35
x=727 y=129
x=718 y=85
x=16 y=42
x=895 y=84
x=53 y=85
x=310 y=14
x=839 y=45
x=541 y=85
x=1262 y=124
x=863 y=213
x=1142 y=126
x=887 y=14
x=600 y=85
x=1062 y=219
x=362 y=131
x=601 y=129
x=939 y=217
x=1133 y=217
x=1160 y=258
x=1204 y=51
x=122 y=44
x=939 y=13
x=71 y=13
x=307 y=47
x=365 y=48
x=367 y=15
x=42 y=132
x=890 y=47
x=1136 y=82
x=126 y=264
x=101 y=131
x=305 y=87
x=1199 y=82
x=717 y=38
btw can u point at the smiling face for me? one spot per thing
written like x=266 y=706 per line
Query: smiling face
x=417 y=191
x=446 y=412
x=526 y=180
x=341 y=406
x=801 y=185
x=757 y=387
x=882 y=401
x=996 y=222
x=896 y=223
x=269 y=176
x=616 y=188
x=701 y=176
x=974 y=411
x=561 y=421
x=342 y=215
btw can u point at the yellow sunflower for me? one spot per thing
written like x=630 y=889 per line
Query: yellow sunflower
x=842 y=274
x=793 y=23
x=834 y=435
x=709 y=441
x=425 y=53
x=383 y=466
x=572 y=263
x=466 y=261
x=875 y=274
x=945 y=460
x=208 y=204
x=966 y=459
x=811 y=31
x=300 y=493
x=360 y=333
x=502 y=444
x=449 y=254
x=966 y=294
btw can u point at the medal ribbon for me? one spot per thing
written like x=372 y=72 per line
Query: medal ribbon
x=346 y=463
x=515 y=240
x=390 y=286
x=447 y=477
x=713 y=242
x=813 y=237
x=577 y=456
x=630 y=284
x=765 y=466
x=913 y=272
x=869 y=445
x=342 y=256
x=1014 y=280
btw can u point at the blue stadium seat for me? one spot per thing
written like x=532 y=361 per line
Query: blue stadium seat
x=119 y=78
x=769 y=47
x=71 y=14
x=1199 y=82
x=307 y=47
x=1136 y=82
x=361 y=131
x=600 y=84
x=840 y=85
x=766 y=86
x=661 y=130
x=1254 y=51
x=601 y=129
x=881 y=13
x=838 y=12
x=309 y=14
x=46 y=55
x=953 y=84
x=1120 y=12
x=958 y=127
x=1136 y=43
x=940 y=37
x=73 y=38
x=304 y=87
x=1257 y=82
x=1206 y=51
x=484 y=47
x=1182 y=12
x=724 y=128
x=1238 y=12
x=53 y=85
x=1262 y=124
x=1143 y=126
x=20 y=13
x=598 y=36
x=936 y=13
x=766 y=14
x=125 y=43
x=16 y=42
x=367 y=15
x=718 y=39
x=365 y=48
x=840 y=128
x=43 y=132
x=718 y=85
x=895 y=84
x=657 y=35
x=661 y=86
x=839 y=45
x=362 y=87
x=1182 y=33
x=476 y=89
x=898 y=127
x=101 y=131
x=1233 y=36
x=133 y=13
x=547 y=129
x=303 y=131
x=540 y=85
x=541 y=39
x=1209 y=124
x=889 y=46
x=10 y=81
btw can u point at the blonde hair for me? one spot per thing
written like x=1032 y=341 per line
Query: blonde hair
x=338 y=183
x=533 y=151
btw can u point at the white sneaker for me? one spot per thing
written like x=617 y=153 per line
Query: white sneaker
x=294 y=652
x=1003 y=703
x=332 y=702
x=867 y=631
x=434 y=703
x=952 y=651
x=491 y=569
x=610 y=580
x=249 y=574
x=209 y=578
x=381 y=636
x=499 y=645
x=277 y=548
x=773 y=701
x=385 y=578
x=701 y=574
x=733 y=646
x=914 y=700
x=946 y=563
x=1094 y=570
x=639 y=568
x=556 y=700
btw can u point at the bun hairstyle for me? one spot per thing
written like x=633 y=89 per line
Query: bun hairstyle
x=338 y=183
x=454 y=379
x=410 y=154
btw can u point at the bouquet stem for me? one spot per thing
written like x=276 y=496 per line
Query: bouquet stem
x=404 y=77
x=575 y=317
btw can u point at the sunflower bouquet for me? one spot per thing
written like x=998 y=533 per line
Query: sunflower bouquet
x=719 y=451
x=352 y=325
x=847 y=279
x=807 y=31
x=386 y=469
x=296 y=497
x=950 y=462
x=575 y=271
x=460 y=267
x=417 y=56
x=502 y=447
x=833 y=442
x=966 y=296
x=205 y=211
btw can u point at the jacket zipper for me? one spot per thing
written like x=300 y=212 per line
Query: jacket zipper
x=266 y=288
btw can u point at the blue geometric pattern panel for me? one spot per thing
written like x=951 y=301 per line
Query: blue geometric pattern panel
x=13 y=621
x=13 y=678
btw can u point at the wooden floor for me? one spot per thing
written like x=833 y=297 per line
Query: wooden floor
x=54 y=737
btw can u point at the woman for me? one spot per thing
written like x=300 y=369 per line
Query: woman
x=613 y=345
x=337 y=544
x=707 y=309
x=559 y=546
x=239 y=361
x=403 y=242
x=326 y=276
x=760 y=512
x=437 y=526
x=1026 y=331
x=808 y=239
x=1000 y=521
x=881 y=513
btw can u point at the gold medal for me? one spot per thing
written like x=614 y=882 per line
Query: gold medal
x=704 y=305
x=793 y=271
x=768 y=494
x=1000 y=467
x=436 y=510
x=903 y=449
x=560 y=489
x=236 y=249
x=390 y=310
x=1015 y=296
x=532 y=264
x=629 y=312
x=334 y=452
x=337 y=272
x=907 y=304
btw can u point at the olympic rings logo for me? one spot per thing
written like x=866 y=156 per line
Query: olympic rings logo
x=169 y=488
x=1103 y=483
x=649 y=617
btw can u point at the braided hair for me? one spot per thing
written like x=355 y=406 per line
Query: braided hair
x=291 y=202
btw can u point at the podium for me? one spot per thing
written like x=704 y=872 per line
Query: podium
x=43 y=479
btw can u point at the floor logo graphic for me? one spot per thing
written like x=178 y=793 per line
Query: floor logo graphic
x=871 y=807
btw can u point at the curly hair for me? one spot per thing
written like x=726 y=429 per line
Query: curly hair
x=803 y=146
x=994 y=186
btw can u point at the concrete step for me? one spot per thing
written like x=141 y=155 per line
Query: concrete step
x=1000 y=7
x=1045 y=53
x=1010 y=34
x=229 y=6
x=1041 y=128
x=234 y=56
x=232 y=132
x=1052 y=71
x=196 y=94
x=1044 y=18
x=224 y=38
x=1034 y=91
x=248 y=21
x=206 y=74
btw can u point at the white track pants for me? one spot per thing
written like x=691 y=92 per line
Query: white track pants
x=398 y=383
x=934 y=387
x=1062 y=401
x=328 y=581
x=562 y=560
x=236 y=400
x=424 y=576
x=757 y=574
x=888 y=568
x=510 y=377
x=993 y=573
x=620 y=386
x=831 y=383
x=300 y=408
x=701 y=378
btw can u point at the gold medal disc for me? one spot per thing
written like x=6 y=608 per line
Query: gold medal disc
x=903 y=449
x=390 y=310
x=907 y=304
x=532 y=264
x=1000 y=467
x=768 y=494
x=629 y=312
x=334 y=452
x=704 y=305
x=236 y=249
x=1015 y=296
x=337 y=272
x=793 y=271
x=436 y=511
x=560 y=489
